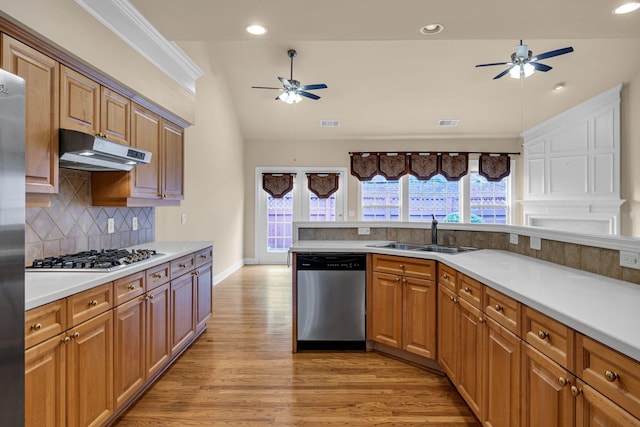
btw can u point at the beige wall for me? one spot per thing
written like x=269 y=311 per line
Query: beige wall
x=335 y=153
x=630 y=158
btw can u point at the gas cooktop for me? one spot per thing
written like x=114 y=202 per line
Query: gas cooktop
x=105 y=260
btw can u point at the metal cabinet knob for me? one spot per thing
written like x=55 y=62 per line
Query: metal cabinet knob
x=543 y=335
x=499 y=307
x=75 y=335
x=182 y=265
x=563 y=381
x=93 y=303
x=156 y=276
x=467 y=289
x=575 y=391
x=131 y=287
x=36 y=326
x=445 y=276
x=66 y=340
x=611 y=376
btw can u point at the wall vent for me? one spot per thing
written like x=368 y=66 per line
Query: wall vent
x=448 y=123
x=329 y=123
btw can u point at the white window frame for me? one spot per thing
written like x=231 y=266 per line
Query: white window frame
x=300 y=205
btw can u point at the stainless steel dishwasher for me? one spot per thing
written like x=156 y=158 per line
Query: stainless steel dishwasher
x=331 y=301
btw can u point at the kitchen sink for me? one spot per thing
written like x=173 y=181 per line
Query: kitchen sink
x=425 y=248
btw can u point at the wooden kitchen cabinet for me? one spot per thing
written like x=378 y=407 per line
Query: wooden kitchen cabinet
x=158 y=329
x=183 y=299
x=45 y=383
x=129 y=349
x=546 y=391
x=146 y=134
x=115 y=116
x=386 y=303
x=448 y=320
x=471 y=355
x=89 y=367
x=41 y=75
x=595 y=410
x=79 y=102
x=204 y=287
x=419 y=323
x=172 y=162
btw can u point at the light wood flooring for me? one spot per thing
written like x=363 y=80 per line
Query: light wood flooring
x=241 y=372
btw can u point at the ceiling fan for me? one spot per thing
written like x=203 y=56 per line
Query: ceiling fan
x=523 y=63
x=292 y=91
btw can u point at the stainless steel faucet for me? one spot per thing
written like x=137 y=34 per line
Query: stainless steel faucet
x=434 y=230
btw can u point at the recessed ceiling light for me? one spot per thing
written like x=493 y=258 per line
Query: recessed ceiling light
x=626 y=8
x=255 y=29
x=559 y=86
x=431 y=29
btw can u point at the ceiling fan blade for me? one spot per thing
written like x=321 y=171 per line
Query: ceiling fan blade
x=505 y=72
x=307 y=94
x=552 y=53
x=313 y=87
x=286 y=83
x=540 y=67
x=493 y=63
x=265 y=87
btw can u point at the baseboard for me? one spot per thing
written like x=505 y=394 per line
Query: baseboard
x=217 y=278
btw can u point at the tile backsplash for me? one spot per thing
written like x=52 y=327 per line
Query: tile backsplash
x=71 y=224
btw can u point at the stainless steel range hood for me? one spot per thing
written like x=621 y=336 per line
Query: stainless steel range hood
x=79 y=150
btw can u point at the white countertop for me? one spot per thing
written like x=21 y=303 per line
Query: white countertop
x=605 y=309
x=45 y=287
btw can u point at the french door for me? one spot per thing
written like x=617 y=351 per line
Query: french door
x=275 y=216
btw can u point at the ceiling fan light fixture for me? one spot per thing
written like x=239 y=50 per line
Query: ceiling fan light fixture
x=626 y=8
x=431 y=29
x=255 y=29
x=518 y=71
x=290 y=97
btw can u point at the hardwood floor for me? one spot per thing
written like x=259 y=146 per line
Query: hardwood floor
x=241 y=372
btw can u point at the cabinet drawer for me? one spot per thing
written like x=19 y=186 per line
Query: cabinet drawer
x=90 y=303
x=470 y=290
x=447 y=276
x=43 y=322
x=204 y=256
x=550 y=337
x=182 y=265
x=419 y=268
x=612 y=374
x=504 y=310
x=129 y=287
x=158 y=275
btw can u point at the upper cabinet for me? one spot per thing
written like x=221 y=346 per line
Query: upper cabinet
x=41 y=74
x=87 y=107
x=172 y=161
x=147 y=132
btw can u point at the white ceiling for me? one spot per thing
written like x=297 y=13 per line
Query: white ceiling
x=386 y=80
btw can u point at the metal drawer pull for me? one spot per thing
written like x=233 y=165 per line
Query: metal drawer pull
x=499 y=307
x=575 y=391
x=93 y=303
x=156 y=276
x=543 y=335
x=563 y=381
x=445 y=276
x=467 y=290
x=611 y=376
x=36 y=326
x=182 y=265
x=204 y=256
x=131 y=287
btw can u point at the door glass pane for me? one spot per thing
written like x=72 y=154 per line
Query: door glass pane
x=279 y=223
x=435 y=196
x=322 y=209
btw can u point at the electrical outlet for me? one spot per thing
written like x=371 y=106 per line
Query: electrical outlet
x=535 y=243
x=513 y=238
x=110 y=226
x=630 y=259
x=183 y=219
x=134 y=223
x=364 y=231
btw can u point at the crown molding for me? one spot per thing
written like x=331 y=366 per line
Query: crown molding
x=130 y=25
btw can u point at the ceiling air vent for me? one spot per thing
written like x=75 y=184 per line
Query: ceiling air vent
x=329 y=123
x=448 y=123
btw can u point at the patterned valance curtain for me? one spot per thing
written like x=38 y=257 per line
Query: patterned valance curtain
x=277 y=184
x=393 y=165
x=364 y=166
x=323 y=185
x=424 y=165
x=453 y=166
x=494 y=167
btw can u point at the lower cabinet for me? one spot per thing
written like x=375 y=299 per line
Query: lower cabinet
x=89 y=367
x=386 y=301
x=158 y=329
x=471 y=351
x=595 y=410
x=204 y=287
x=448 y=344
x=183 y=298
x=129 y=349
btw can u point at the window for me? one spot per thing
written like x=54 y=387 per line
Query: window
x=322 y=209
x=472 y=199
x=279 y=217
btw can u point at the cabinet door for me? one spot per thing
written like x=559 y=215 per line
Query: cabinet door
x=471 y=351
x=129 y=349
x=115 y=116
x=502 y=378
x=41 y=74
x=204 y=284
x=182 y=311
x=158 y=329
x=419 y=326
x=145 y=134
x=448 y=331
x=386 y=303
x=44 y=382
x=172 y=158
x=79 y=102
x=90 y=372
x=595 y=410
x=546 y=391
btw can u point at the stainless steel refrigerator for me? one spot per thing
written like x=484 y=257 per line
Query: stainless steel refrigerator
x=12 y=222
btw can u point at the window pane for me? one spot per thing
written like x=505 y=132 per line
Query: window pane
x=279 y=223
x=436 y=196
x=322 y=209
x=380 y=200
x=488 y=200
